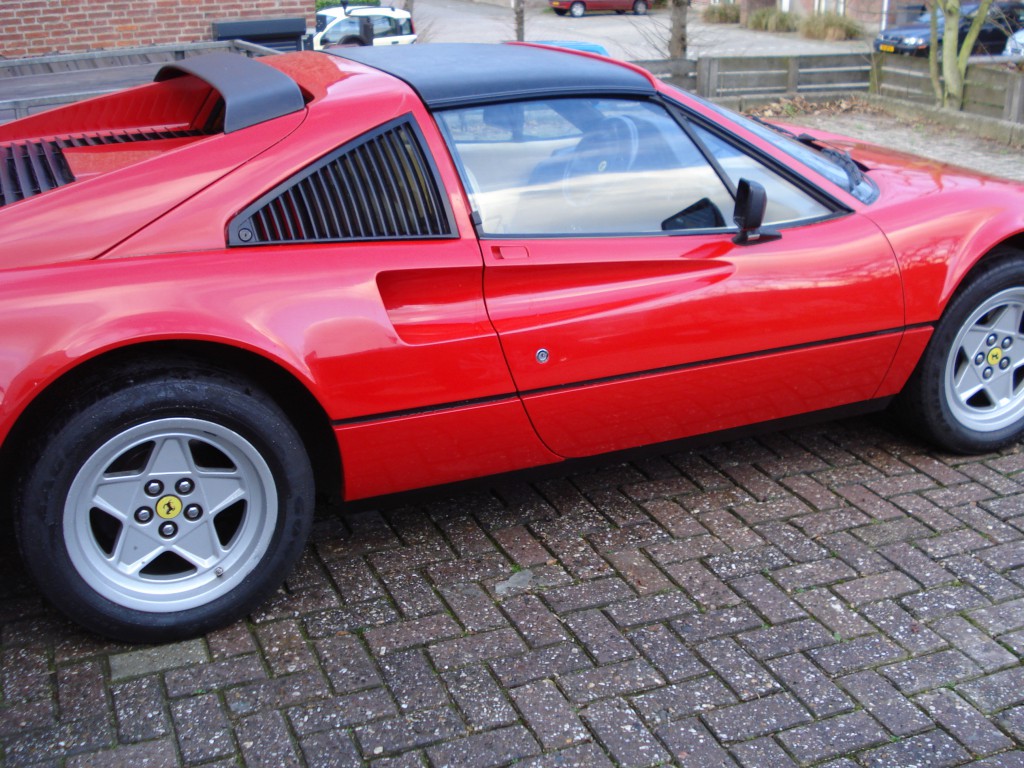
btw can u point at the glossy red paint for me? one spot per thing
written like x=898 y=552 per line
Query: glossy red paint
x=424 y=355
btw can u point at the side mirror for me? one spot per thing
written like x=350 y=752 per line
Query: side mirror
x=751 y=203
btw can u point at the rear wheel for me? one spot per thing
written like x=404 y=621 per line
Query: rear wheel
x=640 y=7
x=577 y=9
x=967 y=393
x=165 y=507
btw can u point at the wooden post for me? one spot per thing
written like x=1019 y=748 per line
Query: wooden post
x=793 y=76
x=707 y=77
x=1014 y=109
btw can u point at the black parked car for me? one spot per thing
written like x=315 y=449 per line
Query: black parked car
x=1004 y=18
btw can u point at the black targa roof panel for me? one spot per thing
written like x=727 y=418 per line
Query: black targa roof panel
x=450 y=74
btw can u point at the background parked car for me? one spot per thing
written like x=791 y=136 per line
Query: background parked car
x=578 y=7
x=1015 y=44
x=914 y=39
x=347 y=26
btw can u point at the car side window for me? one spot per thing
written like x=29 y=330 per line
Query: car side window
x=348 y=27
x=786 y=202
x=584 y=167
x=383 y=27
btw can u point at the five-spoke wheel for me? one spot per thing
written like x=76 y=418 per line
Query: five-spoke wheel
x=967 y=393
x=166 y=504
x=984 y=375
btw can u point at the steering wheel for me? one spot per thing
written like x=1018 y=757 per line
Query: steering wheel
x=612 y=147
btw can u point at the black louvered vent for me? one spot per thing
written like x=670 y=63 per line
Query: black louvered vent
x=32 y=167
x=123 y=137
x=27 y=169
x=380 y=187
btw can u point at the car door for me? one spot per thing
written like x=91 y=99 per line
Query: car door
x=627 y=313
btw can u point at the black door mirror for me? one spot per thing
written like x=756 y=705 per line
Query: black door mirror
x=751 y=203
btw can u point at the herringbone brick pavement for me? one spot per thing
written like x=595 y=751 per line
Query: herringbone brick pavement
x=834 y=596
x=839 y=595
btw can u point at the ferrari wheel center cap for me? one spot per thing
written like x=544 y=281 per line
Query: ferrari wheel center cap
x=169 y=507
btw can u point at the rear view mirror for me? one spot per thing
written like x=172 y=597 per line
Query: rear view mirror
x=751 y=203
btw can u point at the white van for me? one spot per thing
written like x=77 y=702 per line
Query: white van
x=348 y=26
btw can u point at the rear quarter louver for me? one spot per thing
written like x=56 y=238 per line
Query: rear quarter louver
x=381 y=186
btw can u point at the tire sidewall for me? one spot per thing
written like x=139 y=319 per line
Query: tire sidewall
x=63 y=451
x=929 y=380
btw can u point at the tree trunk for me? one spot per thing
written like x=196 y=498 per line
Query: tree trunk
x=933 y=55
x=519 y=8
x=955 y=53
x=677 y=33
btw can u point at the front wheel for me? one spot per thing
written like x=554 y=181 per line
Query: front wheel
x=967 y=393
x=640 y=8
x=577 y=9
x=165 y=507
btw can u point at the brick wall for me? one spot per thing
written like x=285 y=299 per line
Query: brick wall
x=37 y=27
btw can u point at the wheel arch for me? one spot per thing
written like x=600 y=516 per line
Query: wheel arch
x=965 y=272
x=105 y=369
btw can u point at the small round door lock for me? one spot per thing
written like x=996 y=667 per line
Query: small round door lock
x=543 y=356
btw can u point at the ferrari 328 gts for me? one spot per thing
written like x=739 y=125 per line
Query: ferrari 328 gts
x=359 y=272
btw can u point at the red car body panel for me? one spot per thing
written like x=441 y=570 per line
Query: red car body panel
x=424 y=355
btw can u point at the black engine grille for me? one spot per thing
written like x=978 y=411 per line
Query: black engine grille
x=29 y=168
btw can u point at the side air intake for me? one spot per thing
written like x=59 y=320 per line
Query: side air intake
x=381 y=186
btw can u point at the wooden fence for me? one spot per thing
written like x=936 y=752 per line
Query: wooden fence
x=767 y=75
x=990 y=89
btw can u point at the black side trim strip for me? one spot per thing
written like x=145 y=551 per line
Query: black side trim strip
x=718 y=360
x=492 y=399
x=622 y=377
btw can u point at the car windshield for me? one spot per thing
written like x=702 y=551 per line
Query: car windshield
x=835 y=165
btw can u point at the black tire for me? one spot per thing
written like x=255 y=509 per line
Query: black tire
x=560 y=11
x=577 y=9
x=640 y=7
x=154 y=458
x=967 y=393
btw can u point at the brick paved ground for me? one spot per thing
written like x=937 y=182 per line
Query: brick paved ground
x=840 y=595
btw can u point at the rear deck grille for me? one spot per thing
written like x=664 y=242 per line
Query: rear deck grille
x=29 y=168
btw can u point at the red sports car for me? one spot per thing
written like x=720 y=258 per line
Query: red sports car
x=355 y=273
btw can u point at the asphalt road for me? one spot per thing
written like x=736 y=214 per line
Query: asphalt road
x=625 y=36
